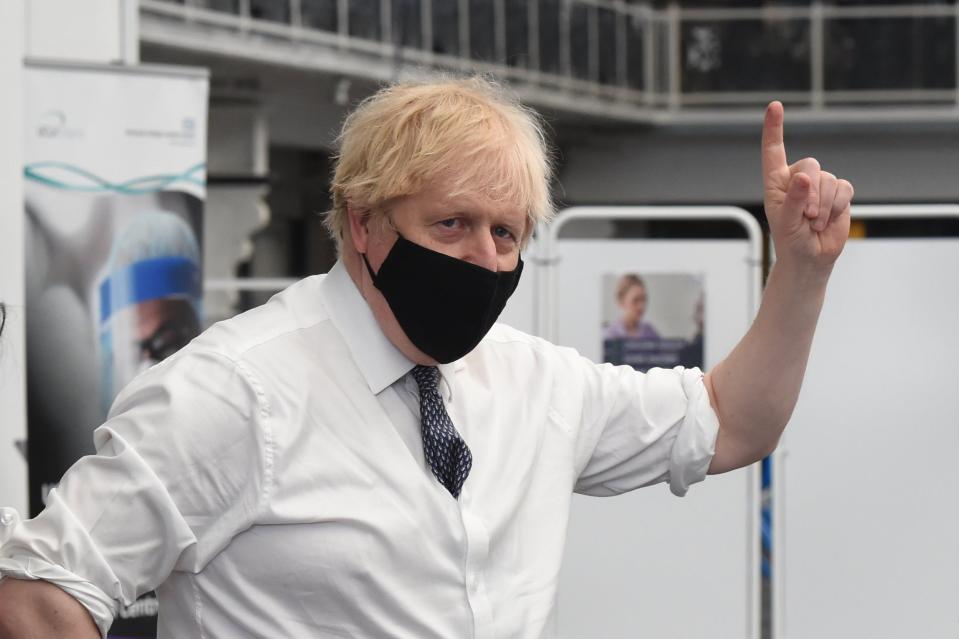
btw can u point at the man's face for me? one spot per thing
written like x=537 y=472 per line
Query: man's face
x=469 y=227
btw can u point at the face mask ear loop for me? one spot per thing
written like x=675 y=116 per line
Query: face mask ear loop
x=369 y=268
x=399 y=237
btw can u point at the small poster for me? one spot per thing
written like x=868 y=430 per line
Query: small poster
x=653 y=320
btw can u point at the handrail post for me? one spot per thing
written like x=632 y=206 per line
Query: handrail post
x=622 y=48
x=675 y=55
x=343 y=21
x=386 y=22
x=296 y=18
x=565 y=59
x=426 y=26
x=499 y=31
x=955 y=60
x=651 y=36
x=463 y=27
x=592 y=43
x=817 y=57
x=533 y=35
x=244 y=8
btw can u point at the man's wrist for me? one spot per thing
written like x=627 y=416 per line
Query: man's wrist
x=801 y=275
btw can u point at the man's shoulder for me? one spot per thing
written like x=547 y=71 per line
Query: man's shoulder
x=286 y=315
x=504 y=333
x=503 y=337
x=525 y=359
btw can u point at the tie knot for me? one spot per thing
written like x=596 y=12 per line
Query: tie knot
x=427 y=377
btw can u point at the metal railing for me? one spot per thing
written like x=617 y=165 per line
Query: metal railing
x=674 y=58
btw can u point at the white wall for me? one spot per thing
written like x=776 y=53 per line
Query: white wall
x=70 y=30
x=82 y=30
x=13 y=422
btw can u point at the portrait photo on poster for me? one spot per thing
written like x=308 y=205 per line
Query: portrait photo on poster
x=653 y=319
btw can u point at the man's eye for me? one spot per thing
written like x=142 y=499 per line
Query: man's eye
x=504 y=233
x=451 y=223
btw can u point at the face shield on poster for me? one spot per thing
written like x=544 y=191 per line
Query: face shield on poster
x=150 y=298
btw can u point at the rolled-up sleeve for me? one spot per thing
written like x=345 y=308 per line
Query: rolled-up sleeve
x=182 y=466
x=637 y=429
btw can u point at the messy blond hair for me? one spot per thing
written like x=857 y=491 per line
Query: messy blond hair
x=468 y=130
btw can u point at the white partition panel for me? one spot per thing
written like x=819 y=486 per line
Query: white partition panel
x=866 y=483
x=648 y=564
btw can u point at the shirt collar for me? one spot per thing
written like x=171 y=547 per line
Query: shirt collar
x=380 y=362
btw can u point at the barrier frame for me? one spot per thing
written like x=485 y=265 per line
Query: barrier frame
x=549 y=328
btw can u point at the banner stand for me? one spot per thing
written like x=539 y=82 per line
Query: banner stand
x=114 y=185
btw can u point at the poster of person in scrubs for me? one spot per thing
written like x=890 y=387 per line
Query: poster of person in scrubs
x=149 y=297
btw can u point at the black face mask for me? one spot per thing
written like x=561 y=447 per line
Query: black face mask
x=444 y=305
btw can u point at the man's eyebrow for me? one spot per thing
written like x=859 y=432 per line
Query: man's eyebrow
x=473 y=207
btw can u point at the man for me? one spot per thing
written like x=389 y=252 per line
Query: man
x=364 y=456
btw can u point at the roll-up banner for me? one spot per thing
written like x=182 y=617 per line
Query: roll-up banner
x=114 y=185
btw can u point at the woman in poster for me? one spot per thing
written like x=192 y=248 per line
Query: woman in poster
x=632 y=298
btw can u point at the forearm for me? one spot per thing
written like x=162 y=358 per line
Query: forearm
x=38 y=610
x=755 y=388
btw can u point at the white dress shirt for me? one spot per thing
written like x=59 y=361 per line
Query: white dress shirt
x=269 y=481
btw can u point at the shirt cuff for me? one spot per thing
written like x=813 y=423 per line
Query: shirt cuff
x=101 y=607
x=695 y=443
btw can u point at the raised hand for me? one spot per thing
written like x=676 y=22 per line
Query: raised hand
x=807 y=208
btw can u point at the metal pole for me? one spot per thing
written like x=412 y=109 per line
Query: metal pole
x=956 y=58
x=244 y=15
x=592 y=35
x=622 y=50
x=343 y=20
x=386 y=22
x=817 y=54
x=533 y=39
x=463 y=20
x=565 y=63
x=651 y=35
x=675 y=56
x=499 y=30
x=296 y=13
x=426 y=25
x=296 y=18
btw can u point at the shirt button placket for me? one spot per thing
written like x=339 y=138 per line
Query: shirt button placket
x=477 y=544
x=477 y=551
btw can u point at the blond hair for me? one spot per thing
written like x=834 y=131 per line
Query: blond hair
x=468 y=130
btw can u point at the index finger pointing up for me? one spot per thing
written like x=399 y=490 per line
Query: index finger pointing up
x=774 y=149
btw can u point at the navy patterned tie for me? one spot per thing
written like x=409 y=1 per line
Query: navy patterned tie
x=446 y=452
